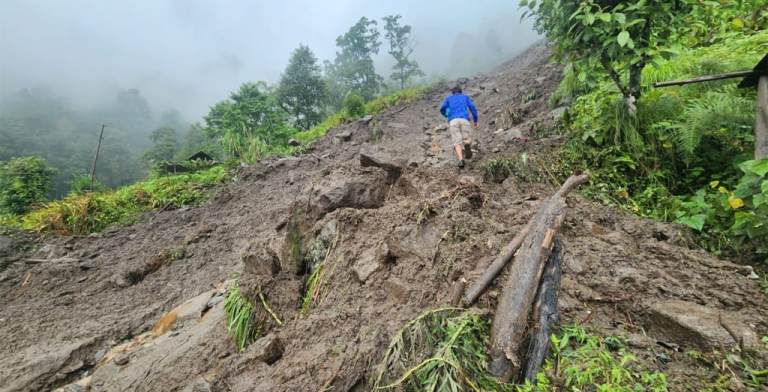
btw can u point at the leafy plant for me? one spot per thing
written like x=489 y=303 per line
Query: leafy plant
x=440 y=350
x=241 y=320
x=354 y=105
x=302 y=90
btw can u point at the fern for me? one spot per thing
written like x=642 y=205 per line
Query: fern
x=714 y=112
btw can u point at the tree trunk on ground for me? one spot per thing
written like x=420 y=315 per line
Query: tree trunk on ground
x=761 y=119
x=544 y=314
x=458 y=289
x=511 y=319
x=495 y=269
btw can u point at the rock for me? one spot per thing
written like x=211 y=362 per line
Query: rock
x=343 y=136
x=374 y=158
x=121 y=359
x=244 y=165
x=73 y=388
x=193 y=309
x=86 y=266
x=366 y=119
x=215 y=301
x=495 y=150
x=541 y=79
x=442 y=127
x=261 y=260
x=199 y=385
x=293 y=142
x=268 y=349
x=371 y=261
x=345 y=189
x=397 y=126
x=462 y=80
x=120 y=281
x=99 y=355
x=557 y=113
x=688 y=325
x=740 y=332
x=396 y=289
x=318 y=248
x=513 y=133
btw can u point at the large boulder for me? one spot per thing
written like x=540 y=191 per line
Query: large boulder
x=369 y=262
x=688 y=324
x=260 y=260
x=350 y=188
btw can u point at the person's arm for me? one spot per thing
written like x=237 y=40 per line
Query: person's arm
x=444 y=107
x=473 y=109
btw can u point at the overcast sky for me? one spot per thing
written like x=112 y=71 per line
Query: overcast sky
x=188 y=54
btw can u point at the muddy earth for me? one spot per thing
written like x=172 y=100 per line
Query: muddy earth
x=381 y=207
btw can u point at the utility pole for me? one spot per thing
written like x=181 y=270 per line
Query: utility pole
x=96 y=158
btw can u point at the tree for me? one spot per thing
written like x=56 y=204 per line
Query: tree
x=619 y=35
x=250 y=118
x=302 y=90
x=401 y=44
x=23 y=182
x=195 y=140
x=164 y=145
x=353 y=68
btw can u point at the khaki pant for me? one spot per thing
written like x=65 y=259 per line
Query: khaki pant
x=460 y=129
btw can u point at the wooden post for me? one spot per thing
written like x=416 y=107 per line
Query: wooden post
x=761 y=119
x=96 y=157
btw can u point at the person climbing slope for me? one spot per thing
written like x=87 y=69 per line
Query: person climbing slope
x=456 y=107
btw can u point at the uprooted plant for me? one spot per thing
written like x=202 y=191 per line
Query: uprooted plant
x=440 y=350
x=244 y=324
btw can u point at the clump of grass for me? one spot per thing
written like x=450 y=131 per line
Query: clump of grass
x=81 y=214
x=313 y=287
x=441 y=350
x=242 y=324
x=586 y=362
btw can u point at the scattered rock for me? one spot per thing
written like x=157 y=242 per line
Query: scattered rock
x=442 y=127
x=82 y=279
x=121 y=359
x=366 y=119
x=293 y=142
x=541 y=79
x=513 y=133
x=339 y=189
x=86 y=266
x=397 y=126
x=318 y=248
x=557 y=113
x=343 y=136
x=374 y=158
x=99 y=355
x=215 y=301
x=261 y=260
x=193 y=309
x=73 y=388
x=199 y=385
x=495 y=150
x=688 y=325
x=371 y=261
x=268 y=349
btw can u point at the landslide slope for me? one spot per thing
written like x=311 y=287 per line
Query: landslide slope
x=138 y=308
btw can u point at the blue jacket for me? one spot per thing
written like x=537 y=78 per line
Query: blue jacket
x=456 y=106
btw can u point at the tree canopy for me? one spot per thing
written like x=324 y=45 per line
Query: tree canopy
x=353 y=68
x=401 y=46
x=302 y=91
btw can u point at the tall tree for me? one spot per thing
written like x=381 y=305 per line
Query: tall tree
x=302 y=90
x=250 y=116
x=401 y=45
x=621 y=36
x=353 y=68
x=164 y=145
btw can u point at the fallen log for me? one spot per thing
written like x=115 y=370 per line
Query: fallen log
x=495 y=269
x=458 y=289
x=544 y=314
x=511 y=319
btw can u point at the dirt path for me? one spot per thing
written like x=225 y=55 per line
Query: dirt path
x=403 y=236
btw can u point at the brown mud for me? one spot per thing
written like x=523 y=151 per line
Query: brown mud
x=139 y=308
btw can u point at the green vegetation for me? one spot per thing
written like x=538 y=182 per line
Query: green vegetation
x=401 y=46
x=678 y=154
x=242 y=325
x=352 y=71
x=584 y=362
x=81 y=214
x=23 y=182
x=354 y=106
x=301 y=90
x=441 y=350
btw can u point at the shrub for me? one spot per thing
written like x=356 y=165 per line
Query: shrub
x=23 y=182
x=354 y=105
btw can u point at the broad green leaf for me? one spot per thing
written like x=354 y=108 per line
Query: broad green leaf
x=604 y=17
x=589 y=19
x=623 y=38
x=523 y=3
x=738 y=23
x=621 y=18
x=758 y=167
x=694 y=222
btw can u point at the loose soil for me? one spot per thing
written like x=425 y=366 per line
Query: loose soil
x=104 y=309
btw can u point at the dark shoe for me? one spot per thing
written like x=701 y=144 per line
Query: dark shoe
x=462 y=164
x=468 y=151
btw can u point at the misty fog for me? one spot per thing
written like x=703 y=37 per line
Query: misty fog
x=189 y=54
